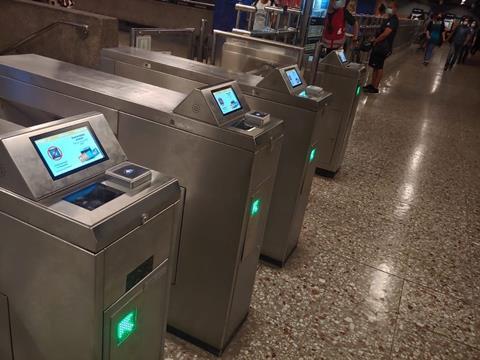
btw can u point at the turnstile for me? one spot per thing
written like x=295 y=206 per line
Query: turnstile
x=284 y=94
x=226 y=165
x=345 y=80
x=84 y=248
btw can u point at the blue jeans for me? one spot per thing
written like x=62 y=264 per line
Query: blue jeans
x=429 y=51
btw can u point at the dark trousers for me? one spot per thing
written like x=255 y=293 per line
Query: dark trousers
x=453 y=55
x=463 y=56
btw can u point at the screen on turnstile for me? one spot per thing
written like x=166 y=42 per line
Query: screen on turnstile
x=293 y=77
x=227 y=100
x=341 y=56
x=69 y=150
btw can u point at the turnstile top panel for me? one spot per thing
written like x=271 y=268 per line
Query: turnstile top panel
x=209 y=74
x=7 y=126
x=143 y=100
x=66 y=75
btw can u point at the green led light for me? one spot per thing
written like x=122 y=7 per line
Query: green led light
x=312 y=155
x=126 y=326
x=255 y=208
x=359 y=89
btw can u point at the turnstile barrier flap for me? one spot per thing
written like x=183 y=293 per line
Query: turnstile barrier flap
x=24 y=171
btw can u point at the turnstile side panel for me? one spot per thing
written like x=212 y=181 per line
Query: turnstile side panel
x=210 y=243
x=148 y=302
x=52 y=102
x=5 y=336
x=337 y=117
x=298 y=129
x=254 y=234
x=151 y=240
x=52 y=286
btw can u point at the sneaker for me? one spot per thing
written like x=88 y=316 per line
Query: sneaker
x=374 y=90
x=425 y=63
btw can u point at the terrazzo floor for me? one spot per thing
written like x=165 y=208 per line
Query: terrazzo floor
x=388 y=264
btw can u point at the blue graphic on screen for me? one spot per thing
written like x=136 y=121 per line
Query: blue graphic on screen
x=227 y=100
x=69 y=151
x=293 y=77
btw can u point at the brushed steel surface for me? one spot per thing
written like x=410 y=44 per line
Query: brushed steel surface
x=342 y=80
x=62 y=267
x=220 y=167
x=7 y=127
x=5 y=336
x=304 y=127
x=219 y=180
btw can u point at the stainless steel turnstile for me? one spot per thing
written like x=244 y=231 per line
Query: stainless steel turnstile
x=225 y=164
x=301 y=111
x=85 y=243
x=345 y=80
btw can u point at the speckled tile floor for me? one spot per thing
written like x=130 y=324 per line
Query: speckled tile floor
x=388 y=265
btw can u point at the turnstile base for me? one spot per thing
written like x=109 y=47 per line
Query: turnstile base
x=325 y=173
x=275 y=262
x=201 y=344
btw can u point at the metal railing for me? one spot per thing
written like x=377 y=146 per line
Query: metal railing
x=83 y=32
x=242 y=53
x=281 y=24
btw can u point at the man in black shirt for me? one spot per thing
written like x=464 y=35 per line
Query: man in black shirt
x=382 y=46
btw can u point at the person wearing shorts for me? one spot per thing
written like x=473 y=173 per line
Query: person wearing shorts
x=382 y=46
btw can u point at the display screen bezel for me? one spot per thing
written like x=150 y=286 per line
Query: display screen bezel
x=87 y=125
x=298 y=75
x=236 y=96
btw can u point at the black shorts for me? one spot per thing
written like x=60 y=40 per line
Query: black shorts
x=377 y=60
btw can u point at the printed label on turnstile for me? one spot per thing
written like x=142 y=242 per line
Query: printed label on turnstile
x=69 y=150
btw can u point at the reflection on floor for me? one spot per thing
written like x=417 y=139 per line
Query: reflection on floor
x=388 y=265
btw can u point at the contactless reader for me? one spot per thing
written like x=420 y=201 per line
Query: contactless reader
x=129 y=174
x=257 y=118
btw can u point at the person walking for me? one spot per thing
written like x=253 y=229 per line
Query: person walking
x=476 y=38
x=435 y=37
x=467 y=48
x=333 y=37
x=382 y=46
x=458 y=40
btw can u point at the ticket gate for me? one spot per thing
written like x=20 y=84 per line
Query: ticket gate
x=284 y=94
x=85 y=245
x=225 y=163
x=345 y=80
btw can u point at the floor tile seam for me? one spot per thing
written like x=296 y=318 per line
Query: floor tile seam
x=371 y=266
x=434 y=291
x=443 y=335
x=394 y=338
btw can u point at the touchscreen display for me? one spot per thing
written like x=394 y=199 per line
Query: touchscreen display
x=293 y=77
x=342 y=57
x=67 y=151
x=227 y=100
